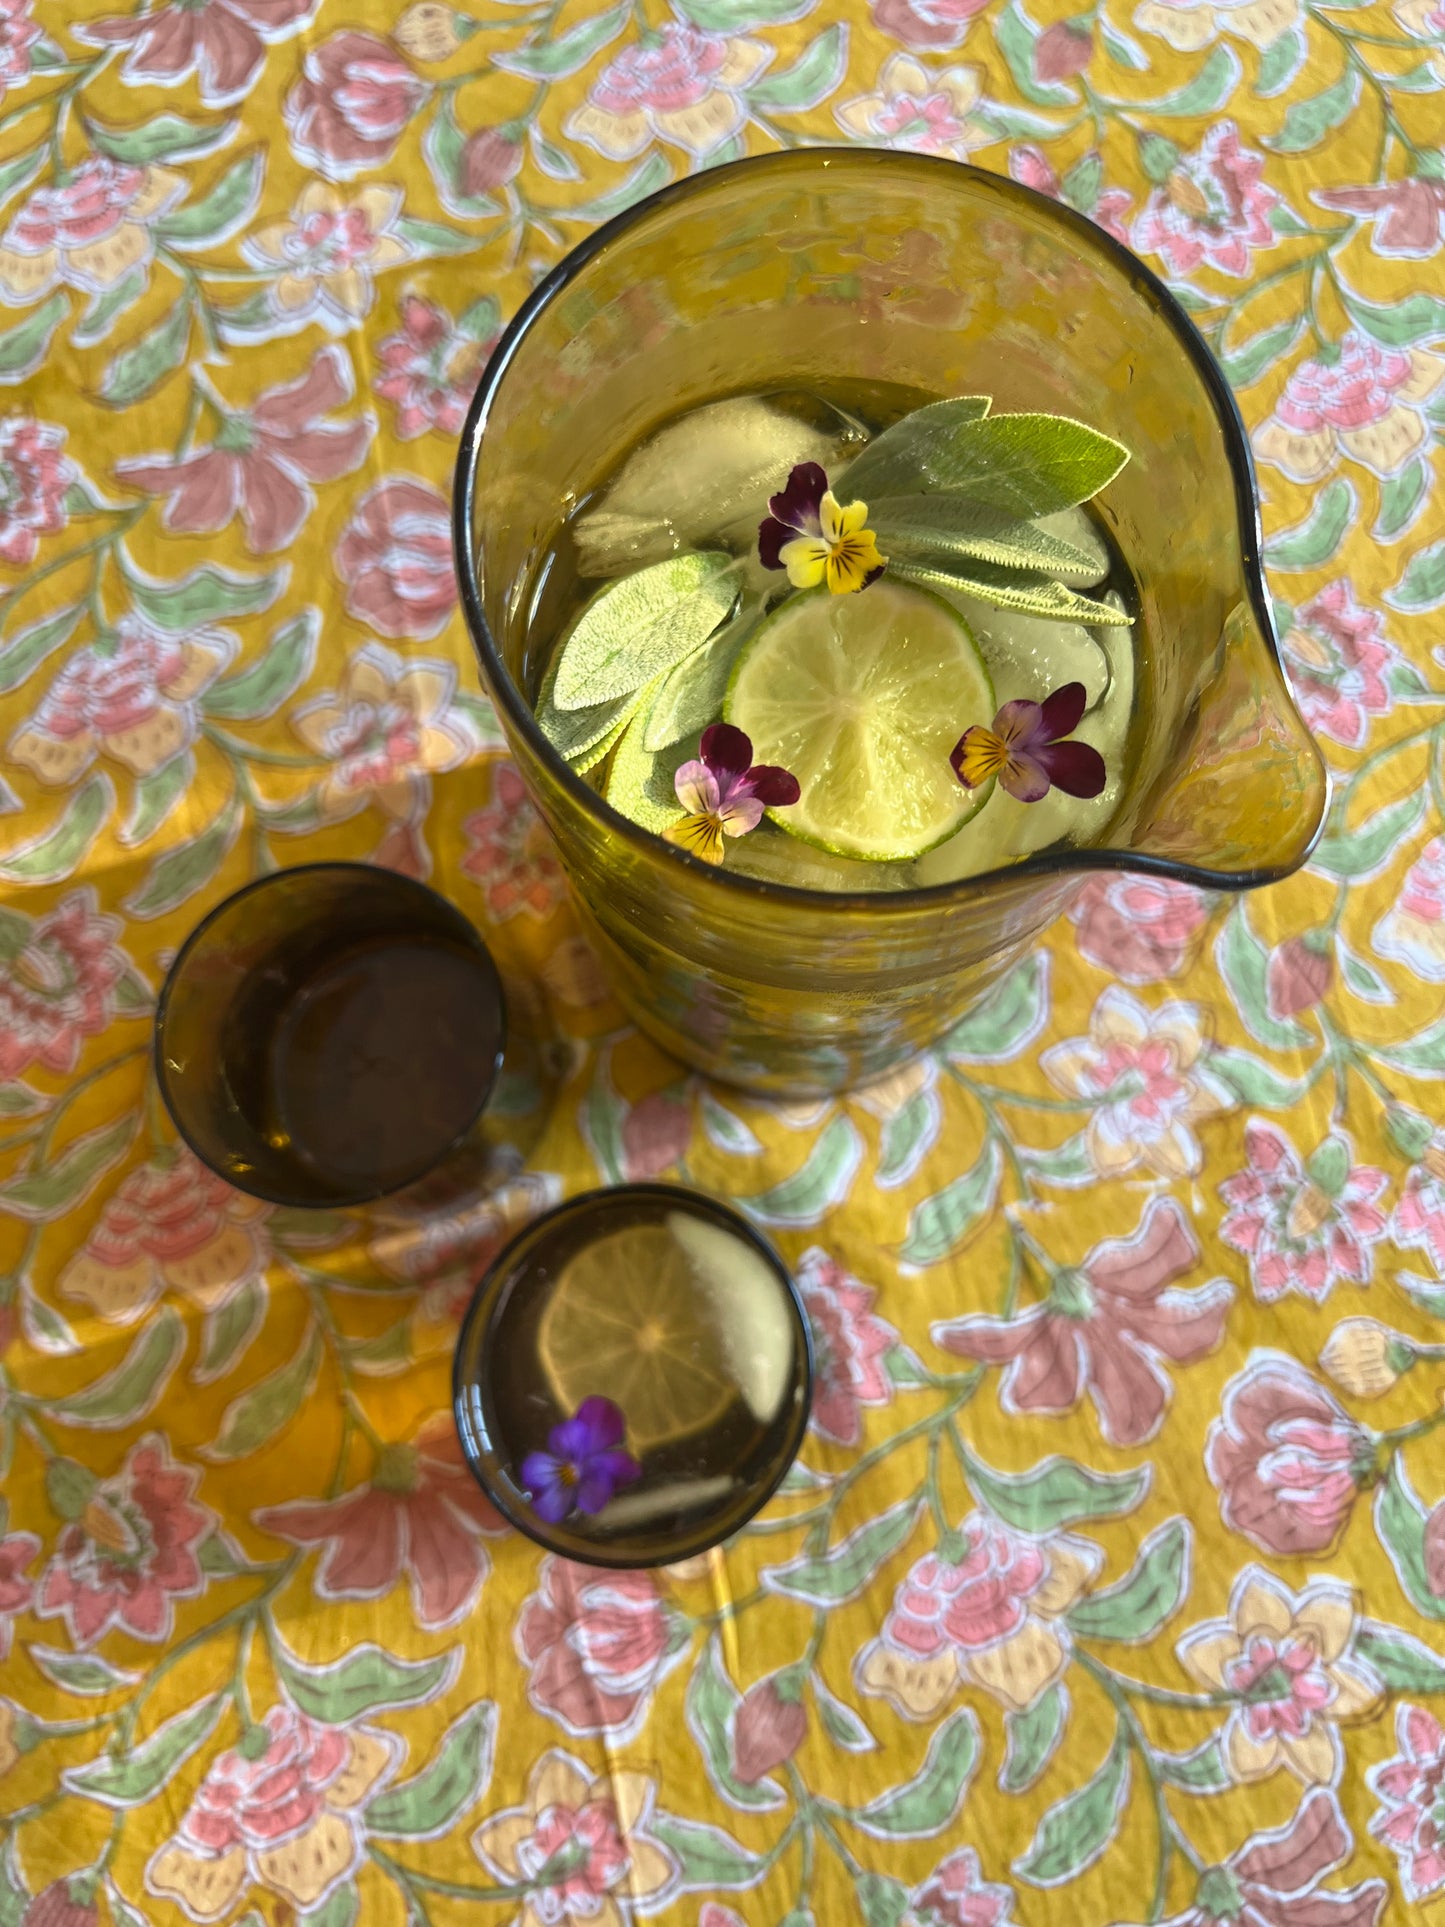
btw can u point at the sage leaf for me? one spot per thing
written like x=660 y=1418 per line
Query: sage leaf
x=929 y=526
x=584 y=735
x=1024 y=464
x=640 y=783
x=896 y=461
x=636 y=628
x=690 y=698
x=1030 y=593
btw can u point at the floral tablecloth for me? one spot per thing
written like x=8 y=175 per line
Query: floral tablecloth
x=1111 y=1584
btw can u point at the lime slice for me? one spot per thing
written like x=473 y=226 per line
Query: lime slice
x=863 y=697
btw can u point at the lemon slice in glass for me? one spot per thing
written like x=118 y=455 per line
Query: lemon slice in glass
x=863 y=697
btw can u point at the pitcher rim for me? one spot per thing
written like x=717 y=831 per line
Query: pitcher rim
x=1039 y=867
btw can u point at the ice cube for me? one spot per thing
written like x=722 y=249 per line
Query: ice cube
x=1078 y=528
x=1031 y=655
x=706 y=477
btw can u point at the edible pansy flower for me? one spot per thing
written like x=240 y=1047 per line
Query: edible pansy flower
x=816 y=539
x=584 y=1463
x=725 y=793
x=1025 y=749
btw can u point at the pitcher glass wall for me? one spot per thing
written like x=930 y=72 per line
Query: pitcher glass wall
x=831 y=266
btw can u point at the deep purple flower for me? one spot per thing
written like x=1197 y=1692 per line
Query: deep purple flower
x=726 y=793
x=1026 y=752
x=583 y=1465
x=816 y=539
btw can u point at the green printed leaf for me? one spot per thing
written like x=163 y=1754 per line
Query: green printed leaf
x=906 y=1138
x=938 y=1226
x=726 y=1131
x=18 y=1100
x=1399 y=324
x=1021 y=589
x=106 y=308
x=1032 y=1739
x=1075 y=1831
x=44 y=1327
x=208 y=594
x=1421 y=79
x=1362 y=851
x=1202 y=1771
x=60 y=851
x=432 y=240
x=1057 y=1493
x=20 y=170
x=1007 y=122
x=554 y=161
x=1407 y=685
x=1361 y=979
x=245 y=320
x=23 y=347
x=139 y=370
x=221 y=213
x=810 y=79
x=1158 y=155
x=916 y=447
x=570 y=52
x=1007 y=1020
x=740 y=16
x=390 y=1351
x=276 y=675
x=1403 y=1662
x=220 y=1557
x=155 y=796
x=828 y=1578
x=1400 y=1523
x=1279 y=63
x=1147 y=1597
x=228 y=1330
x=1243 y=963
x=926 y=1804
x=1401 y=499
x=129 y=1391
x=367 y=1680
x=1246 y=364
x=842 y=1725
x=28 y=648
x=60 y=1185
x=1308 y=121
x=1410 y=1132
x=165 y=138
x=706 y=1856
x=926 y=526
x=1315 y=541
x=690 y=699
x=1284 y=221
x=452 y=1780
x=641 y=625
x=255 y=1417
x=14 y=1894
x=87 y=1673
x=1067 y=1165
x=1422 y=1055
x=188 y=868
x=882 y=1899
x=1080 y=186
x=339 y=1909
x=1016 y=35
x=1205 y=94
x=821 y=1184
x=646 y=178
x=1254 y=1082
x=139 y=1775
x=1422 y=586
x=711 y=1707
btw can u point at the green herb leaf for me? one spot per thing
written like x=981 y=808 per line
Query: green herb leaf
x=584 y=735
x=1027 y=464
x=895 y=461
x=690 y=697
x=1021 y=589
x=937 y=526
x=638 y=627
x=640 y=783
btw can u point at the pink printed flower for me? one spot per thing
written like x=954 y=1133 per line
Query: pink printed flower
x=1419 y=1220
x=172 y=1225
x=1109 y=208
x=770 y=1725
x=262 y=460
x=224 y=40
x=956 y=1894
x=1287 y=1459
x=1360 y=398
x=326 y=257
x=512 y=855
x=58 y=974
x=919 y=111
x=383 y=732
x=1302 y=1227
x=655 y=1134
x=395 y=557
x=850 y=1345
x=1407 y=217
x=1338 y=656
x=1424 y=20
x=928 y=25
x=580 y=1845
x=992 y=1615
x=34 y=475
x=723 y=792
x=1146 y=1074
x=1062 y=50
x=599 y=1644
x=679 y=84
x=131 y=696
x=1141 y=929
x=1105 y=1328
x=18 y=35
x=1411 y=1791
x=1274 y=1879
x=351 y=105
x=430 y=370
x=422 y=1515
x=283 y=1811
x=131 y=1551
x=87 y=231
x=1289 y=1663
x=1301 y=971
x=16 y=1591
x=1213 y=211
x=1412 y=930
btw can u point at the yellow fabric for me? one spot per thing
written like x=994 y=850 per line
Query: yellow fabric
x=206 y=204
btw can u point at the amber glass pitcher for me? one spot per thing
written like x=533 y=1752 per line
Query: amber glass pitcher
x=820 y=268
